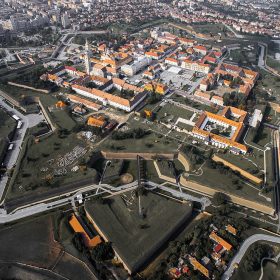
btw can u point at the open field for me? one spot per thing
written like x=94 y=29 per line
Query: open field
x=170 y=113
x=60 y=117
x=48 y=164
x=209 y=30
x=242 y=162
x=273 y=63
x=225 y=184
x=17 y=271
x=32 y=242
x=7 y=124
x=269 y=83
x=150 y=142
x=137 y=238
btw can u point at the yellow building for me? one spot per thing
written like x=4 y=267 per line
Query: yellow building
x=96 y=121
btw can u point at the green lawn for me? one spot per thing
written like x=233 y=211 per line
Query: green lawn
x=225 y=184
x=149 y=143
x=40 y=167
x=244 y=56
x=137 y=238
x=172 y=112
x=273 y=63
x=242 y=162
x=7 y=125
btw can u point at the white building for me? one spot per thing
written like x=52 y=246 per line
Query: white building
x=138 y=64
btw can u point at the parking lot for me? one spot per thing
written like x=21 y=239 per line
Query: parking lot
x=178 y=77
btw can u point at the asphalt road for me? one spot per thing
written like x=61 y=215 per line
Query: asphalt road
x=244 y=247
x=41 y=207
x=12 y=156
x=204 y=201
x=21 y=201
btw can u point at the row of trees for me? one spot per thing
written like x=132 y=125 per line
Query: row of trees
x=135 y=133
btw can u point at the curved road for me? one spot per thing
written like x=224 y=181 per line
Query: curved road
x=243 y=249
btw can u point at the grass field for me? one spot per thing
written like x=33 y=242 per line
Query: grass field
x=60 y=117
x=7 y=124
x=149 y=143
x=270 y=83
x=32 y=242
x=225 y=184
x=205 y=29
x=214 y=29
x=48 y=164
x=273 y=63
x=170 y=113
x=242 y=162
x=136 y=238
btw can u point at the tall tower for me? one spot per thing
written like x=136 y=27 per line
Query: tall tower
x=87 y=58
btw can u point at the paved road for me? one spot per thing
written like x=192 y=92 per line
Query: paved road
x=41 y=207
x=244 y=247
x=12 y=156
x=261 y=62
x=233 y=31
x=204 y=201
x=276 y=165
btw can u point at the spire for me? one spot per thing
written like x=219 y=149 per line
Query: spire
x=87 y=58
x=87 y=45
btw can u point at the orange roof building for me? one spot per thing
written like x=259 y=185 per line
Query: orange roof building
x=213 y=236
x=203 y=95
x=87 y=103
x=231 y=229
x=60 y=104
x=198 y=266
x=96 y=121
x=114 y=100
x=235 y=129
x=78 y=227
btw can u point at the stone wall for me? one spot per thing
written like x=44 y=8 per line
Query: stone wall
x=233 y=198
x=27 y=87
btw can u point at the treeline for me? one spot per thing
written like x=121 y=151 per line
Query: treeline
x=136 y=133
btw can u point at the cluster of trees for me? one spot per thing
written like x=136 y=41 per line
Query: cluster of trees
x=97 y=256
x=194 y=154
x=257 y=252
x=32 y=78
x=154 y=98
x=135 y=133
x=235 y=99
x=198 y=243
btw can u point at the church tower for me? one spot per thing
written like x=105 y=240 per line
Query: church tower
x=87 y=58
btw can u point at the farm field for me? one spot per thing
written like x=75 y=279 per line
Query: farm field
x=32 y=242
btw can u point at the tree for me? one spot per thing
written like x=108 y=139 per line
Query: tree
x=253 y=259
x=102 y=252
x=219 y=198
x=78 y=241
